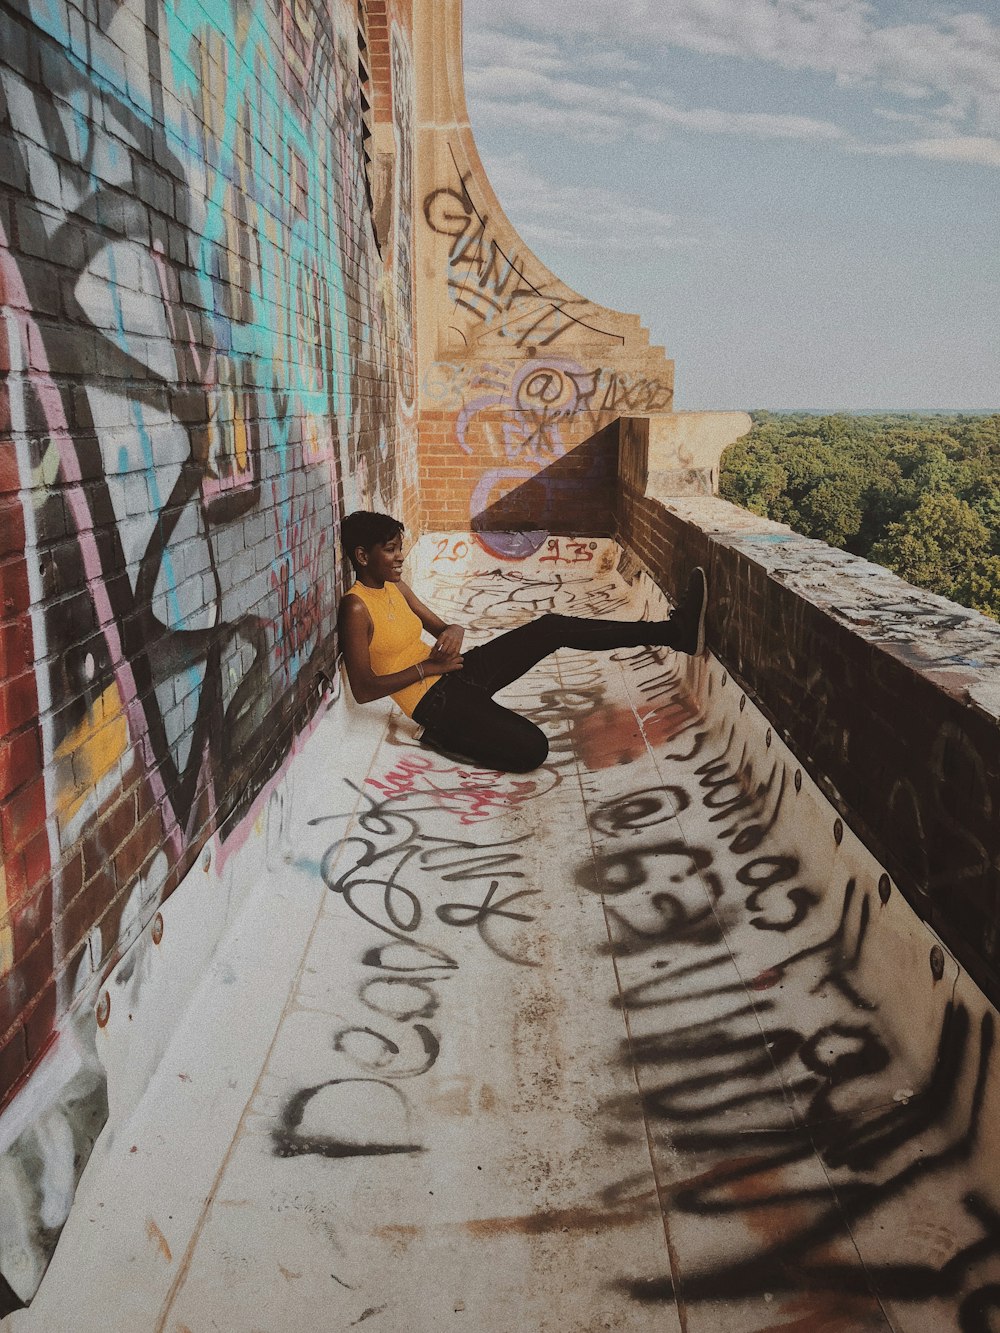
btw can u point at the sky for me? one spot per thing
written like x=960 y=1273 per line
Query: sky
x=800 y=198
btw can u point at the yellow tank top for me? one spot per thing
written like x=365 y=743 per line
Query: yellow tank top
x=396 y=643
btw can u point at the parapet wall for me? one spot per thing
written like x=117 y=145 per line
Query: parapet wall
x=887 y=693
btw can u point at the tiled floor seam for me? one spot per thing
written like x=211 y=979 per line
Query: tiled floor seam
x=675 y=1274
x=849 y=1228
x=658 y=762
x=789 y=1101
x=189 y=1252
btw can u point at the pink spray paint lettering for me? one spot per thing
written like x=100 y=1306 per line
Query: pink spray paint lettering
x=472 y=794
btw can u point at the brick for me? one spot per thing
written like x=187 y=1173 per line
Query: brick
x=36 y=861
x=13 y=166
x=11 y=526
x=39 y=1023
x=13 y=1063
x=136 y=849
x=16 y=654
x=20 y=759
x=96 y=865
x=14 y=593
x=18 y=702
x=86 y=909
x=31 y=919
x=22 y=815
x=71 y=876
x=32 y=971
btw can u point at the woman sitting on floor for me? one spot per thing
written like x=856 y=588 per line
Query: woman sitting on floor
x=450 y=694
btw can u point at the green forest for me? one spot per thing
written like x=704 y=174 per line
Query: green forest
x=917 y=493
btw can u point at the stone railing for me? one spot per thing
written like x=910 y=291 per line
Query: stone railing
x=888 y=694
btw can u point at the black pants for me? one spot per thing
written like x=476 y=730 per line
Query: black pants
x=460 y=714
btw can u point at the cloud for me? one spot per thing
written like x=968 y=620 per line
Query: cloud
x=488 y=49
x=509 y=81
x=917 y=119
x=586 y=126
x=976 y=149
x=760 y=125
x=953 y=59
x=525 y=99
x=575 y=217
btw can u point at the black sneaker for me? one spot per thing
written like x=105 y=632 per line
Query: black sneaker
x=686 y=626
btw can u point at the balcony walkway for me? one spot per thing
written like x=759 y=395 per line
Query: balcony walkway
x=636 y=1042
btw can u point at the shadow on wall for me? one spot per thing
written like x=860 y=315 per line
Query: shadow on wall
x=573 y=496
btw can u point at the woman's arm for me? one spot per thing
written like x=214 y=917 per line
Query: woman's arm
x=449 y=637
x=356 y=629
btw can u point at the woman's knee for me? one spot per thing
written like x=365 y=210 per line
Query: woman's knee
x=531 y=751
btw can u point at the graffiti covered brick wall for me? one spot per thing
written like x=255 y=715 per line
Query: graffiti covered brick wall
x=520 y=378
x=885 y=691
x=207 y=358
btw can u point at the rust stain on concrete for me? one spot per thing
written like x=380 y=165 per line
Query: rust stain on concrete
x=455 y=1097
x=400 y=1237
x=563 y=1219
x=748 y=1182
x=628 y=1213
x=159 y=1239
x=827 y=1312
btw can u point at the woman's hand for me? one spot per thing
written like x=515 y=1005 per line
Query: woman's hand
x=440 y=664
x=446 y=655
x=449 y=642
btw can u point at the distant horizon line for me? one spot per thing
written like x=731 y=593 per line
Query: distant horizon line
x=863 y=411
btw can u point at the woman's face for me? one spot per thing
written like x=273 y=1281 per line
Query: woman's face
x=385 y=561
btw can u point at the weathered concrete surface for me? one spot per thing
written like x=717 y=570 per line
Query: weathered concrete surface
x=645 y=1040
x=685 y=448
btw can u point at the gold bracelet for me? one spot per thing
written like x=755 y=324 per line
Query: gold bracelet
x=420 y=670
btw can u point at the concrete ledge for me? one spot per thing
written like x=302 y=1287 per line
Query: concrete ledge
x=684 y=448
x=887 y=692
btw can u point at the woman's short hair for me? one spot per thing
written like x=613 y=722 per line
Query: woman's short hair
x=366 y=530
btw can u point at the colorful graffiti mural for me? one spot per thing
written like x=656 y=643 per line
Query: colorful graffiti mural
x=204 y=356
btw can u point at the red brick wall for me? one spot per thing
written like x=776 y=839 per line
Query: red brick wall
x=27 y=987
x=207 y=359
x=566 y=486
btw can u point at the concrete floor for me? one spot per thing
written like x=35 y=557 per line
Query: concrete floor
x=642 y=1041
